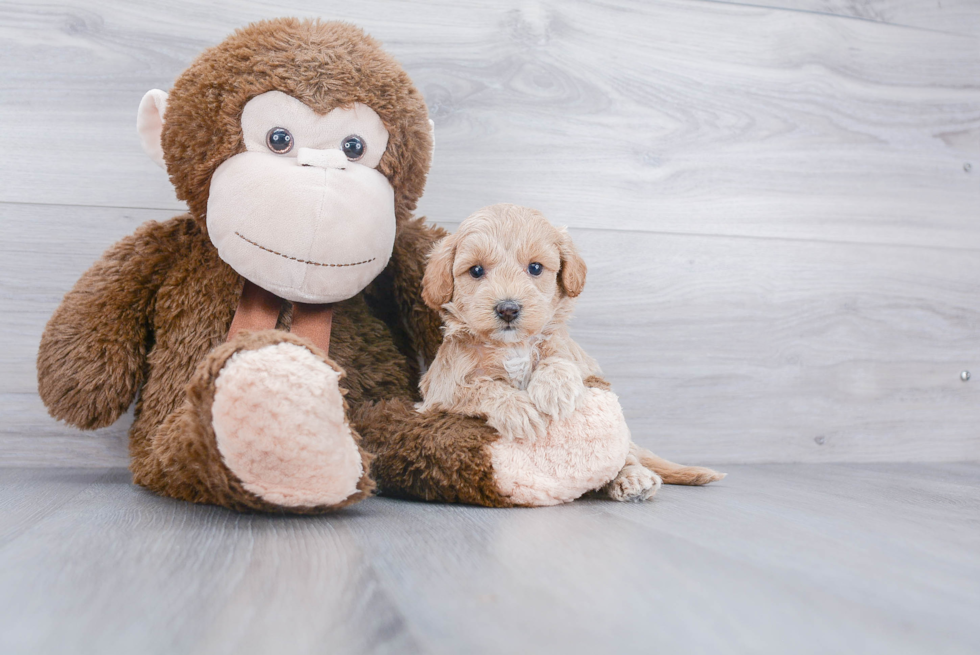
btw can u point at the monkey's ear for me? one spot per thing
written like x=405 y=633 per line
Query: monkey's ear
x=437 y=283
x=149 y=124
x=571 y=276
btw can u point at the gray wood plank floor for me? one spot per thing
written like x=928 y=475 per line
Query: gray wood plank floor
x=823 y=558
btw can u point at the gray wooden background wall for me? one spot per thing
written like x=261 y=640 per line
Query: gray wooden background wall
x=779 y=203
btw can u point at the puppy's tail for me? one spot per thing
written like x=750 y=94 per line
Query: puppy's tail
x=675 y=473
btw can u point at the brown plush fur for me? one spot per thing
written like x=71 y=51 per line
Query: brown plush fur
x=149 y=319
x=436 y=456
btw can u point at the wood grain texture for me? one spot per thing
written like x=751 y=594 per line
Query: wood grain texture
x=681 y=116
x=960 y=17
x=778 y=204
x=774 y=559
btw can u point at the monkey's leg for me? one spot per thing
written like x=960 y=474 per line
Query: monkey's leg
x=263 y=427
x=435 y=456
x=452 y=458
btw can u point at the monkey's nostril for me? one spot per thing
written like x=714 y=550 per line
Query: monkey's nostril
x=507 y=310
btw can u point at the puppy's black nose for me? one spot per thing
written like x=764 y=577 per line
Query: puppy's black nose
x=507 y=310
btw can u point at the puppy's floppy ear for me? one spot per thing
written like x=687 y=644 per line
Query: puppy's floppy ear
x=571 y=275
x=437 y=283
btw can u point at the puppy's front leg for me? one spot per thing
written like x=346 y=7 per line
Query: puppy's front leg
x=506 y=409
x=556 y=387
x=512 y=413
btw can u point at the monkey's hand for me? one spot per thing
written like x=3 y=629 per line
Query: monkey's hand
x=556 y=387
x=93 y=351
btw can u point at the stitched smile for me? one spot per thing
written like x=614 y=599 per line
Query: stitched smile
x=297 y=259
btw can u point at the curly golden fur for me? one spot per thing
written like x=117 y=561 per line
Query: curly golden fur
x=484 y=366
x=519 y=371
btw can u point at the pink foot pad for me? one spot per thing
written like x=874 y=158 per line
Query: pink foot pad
x=279 y=421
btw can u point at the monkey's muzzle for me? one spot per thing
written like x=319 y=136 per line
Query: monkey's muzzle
x=302 y=227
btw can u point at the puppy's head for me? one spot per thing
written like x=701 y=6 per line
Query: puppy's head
x=504 y=274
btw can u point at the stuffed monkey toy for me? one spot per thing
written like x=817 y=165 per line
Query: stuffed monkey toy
x=272 y=337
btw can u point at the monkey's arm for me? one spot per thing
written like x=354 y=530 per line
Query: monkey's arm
x=415 y=240
x=90 y=363
x=556 y=386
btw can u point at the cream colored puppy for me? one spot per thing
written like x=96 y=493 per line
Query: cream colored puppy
x=506 y=282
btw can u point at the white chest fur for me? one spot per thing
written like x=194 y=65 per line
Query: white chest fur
x=519 y=363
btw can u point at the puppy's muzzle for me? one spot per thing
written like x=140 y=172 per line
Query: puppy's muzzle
x=507 y=311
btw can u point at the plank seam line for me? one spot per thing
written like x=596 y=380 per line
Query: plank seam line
x=73 y=204
x=755 y=237
x=591 y=229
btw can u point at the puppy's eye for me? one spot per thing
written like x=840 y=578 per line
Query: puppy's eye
x=279 y=140
x=477 y=271
x=534 y=268
x=354 y=147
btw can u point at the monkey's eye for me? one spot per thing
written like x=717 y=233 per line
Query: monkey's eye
x=354 y=147
x=279 y=140
x=534 y=268
x=477 y=271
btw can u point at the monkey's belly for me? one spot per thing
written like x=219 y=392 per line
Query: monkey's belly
x=578 y=454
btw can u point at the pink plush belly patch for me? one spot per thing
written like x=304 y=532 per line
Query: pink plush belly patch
x=578 y=454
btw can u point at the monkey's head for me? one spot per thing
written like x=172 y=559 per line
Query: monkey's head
x=298 y=146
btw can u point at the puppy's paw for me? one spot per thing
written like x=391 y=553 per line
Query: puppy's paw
x=517 y=418
x=634 y=483
x=556 y=388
